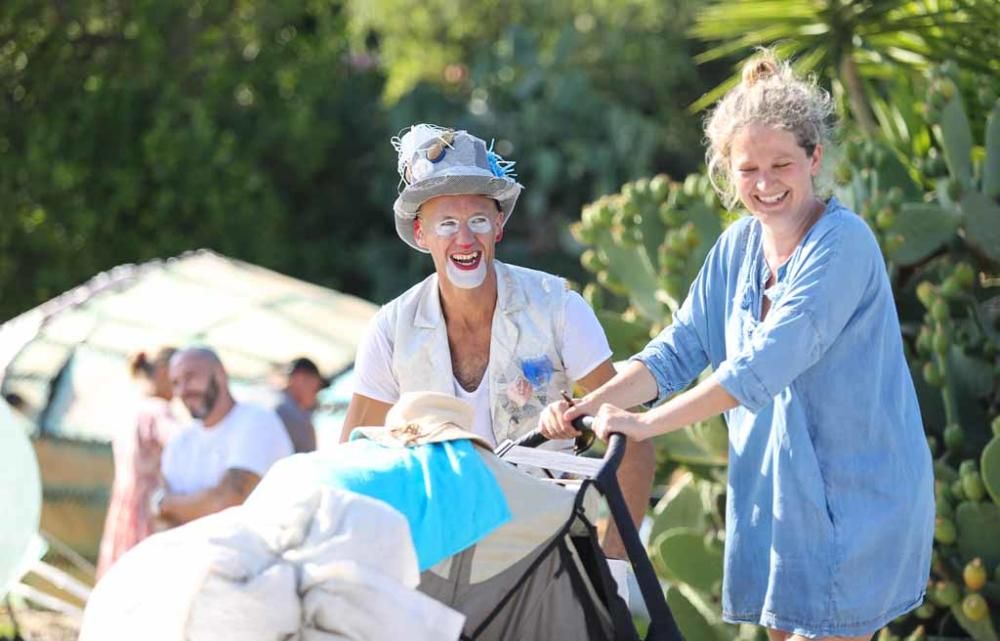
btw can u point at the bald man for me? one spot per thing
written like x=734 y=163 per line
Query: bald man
x=220 y=458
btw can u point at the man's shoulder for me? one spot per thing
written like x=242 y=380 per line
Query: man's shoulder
x=245 y=414
x=268 y=429
x=525 y=276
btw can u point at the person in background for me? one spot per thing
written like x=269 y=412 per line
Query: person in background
x=136 y=449
x=219 y=460
x=298 y=400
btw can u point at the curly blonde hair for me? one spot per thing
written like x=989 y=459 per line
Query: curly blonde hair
x=771 y=94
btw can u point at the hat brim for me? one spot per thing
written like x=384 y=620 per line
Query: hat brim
x=504 y=190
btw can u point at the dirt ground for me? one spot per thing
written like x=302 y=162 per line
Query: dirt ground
x=39 y=625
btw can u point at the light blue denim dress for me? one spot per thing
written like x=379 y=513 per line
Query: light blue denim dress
x=830 y=507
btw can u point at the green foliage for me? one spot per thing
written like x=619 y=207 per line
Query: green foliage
x=649 y=241
x=990 y=464
x=869 y=50
x=978 y=525
x=142 y=130
x=687 y=557
x=568 y=89
x=695 y=618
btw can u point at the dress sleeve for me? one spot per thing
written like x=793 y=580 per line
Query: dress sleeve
x=681 y=351
x=813 y=305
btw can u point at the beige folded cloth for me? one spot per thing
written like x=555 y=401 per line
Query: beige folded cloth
x=299 y=560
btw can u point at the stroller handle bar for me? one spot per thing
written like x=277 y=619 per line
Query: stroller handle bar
x=612 y=457
x=534 y=438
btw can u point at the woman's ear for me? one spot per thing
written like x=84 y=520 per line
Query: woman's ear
x=816 y=161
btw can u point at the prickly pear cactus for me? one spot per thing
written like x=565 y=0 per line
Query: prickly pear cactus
x=646 y=244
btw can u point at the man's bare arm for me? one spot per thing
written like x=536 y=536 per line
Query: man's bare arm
x=233 y=489
x=363 y=412
x=635 y=475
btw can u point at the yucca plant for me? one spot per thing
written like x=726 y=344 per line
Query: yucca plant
x=866 y=49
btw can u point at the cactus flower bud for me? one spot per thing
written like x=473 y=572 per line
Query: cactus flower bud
x=926 y=293
x=885 y=219
x=974 y=606
x=941 y=341
x=944 y=531
x=933 y=377
x=974 y=575
x=925 y=611
x=946 y=593
x=964 y=275
x=950 y=288
x=940 y=311
x=957 y=491
x=972 y=485
x=885 y=635
x=954 y=438
x=659 y=186
x=925 y=341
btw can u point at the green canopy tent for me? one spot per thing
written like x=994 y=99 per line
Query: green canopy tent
x=67 y=359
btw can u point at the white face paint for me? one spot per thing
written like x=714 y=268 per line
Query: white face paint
x=466 y=278
x=450 y=226
x=465 y=271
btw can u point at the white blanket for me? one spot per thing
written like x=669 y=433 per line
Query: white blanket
x=297 y=561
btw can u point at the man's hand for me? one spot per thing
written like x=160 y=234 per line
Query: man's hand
x=556 y=420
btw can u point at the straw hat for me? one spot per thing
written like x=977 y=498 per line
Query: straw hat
x=434 y=161
x=419 y=418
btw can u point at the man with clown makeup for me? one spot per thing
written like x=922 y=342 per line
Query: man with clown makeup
x=504 y=339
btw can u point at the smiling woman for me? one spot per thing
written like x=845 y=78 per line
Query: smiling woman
x=770 y=97
x=830 y=507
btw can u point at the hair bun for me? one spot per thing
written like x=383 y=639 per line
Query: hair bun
x=759 y=68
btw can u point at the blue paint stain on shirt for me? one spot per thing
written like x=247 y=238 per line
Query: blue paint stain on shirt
x=538 y=371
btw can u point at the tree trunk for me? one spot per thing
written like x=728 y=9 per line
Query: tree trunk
x=856 y=94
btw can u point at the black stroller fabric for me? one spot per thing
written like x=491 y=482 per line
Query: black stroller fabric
x=540 y=584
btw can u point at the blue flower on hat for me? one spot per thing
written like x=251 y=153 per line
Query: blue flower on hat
x=501 y=168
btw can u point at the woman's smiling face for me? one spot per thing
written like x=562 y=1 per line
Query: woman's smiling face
x=773 y=174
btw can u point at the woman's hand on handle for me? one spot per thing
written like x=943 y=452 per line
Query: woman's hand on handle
x=610 y=419
x=629 y=387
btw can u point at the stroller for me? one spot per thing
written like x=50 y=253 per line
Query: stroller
x=543 y=575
